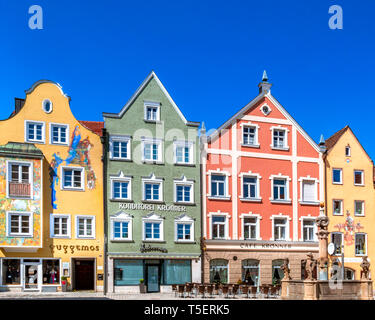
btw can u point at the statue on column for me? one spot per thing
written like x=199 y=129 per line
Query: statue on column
x=310 y=266
x=322 y=223
x=365 y=265
x=286 y=269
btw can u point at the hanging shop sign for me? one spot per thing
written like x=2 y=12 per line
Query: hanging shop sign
x=152 y=207
x=148 y=248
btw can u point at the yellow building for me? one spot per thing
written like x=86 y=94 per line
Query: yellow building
x=51 y=196
x=349 y=174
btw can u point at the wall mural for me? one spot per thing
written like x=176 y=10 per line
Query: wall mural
x=20 y=205
x=349 y=228
x=78 y=153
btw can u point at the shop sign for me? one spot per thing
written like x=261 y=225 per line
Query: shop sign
x=254 y=245
x=66 y=269
x=152 y=207
x=71 y=249
x=148 y=248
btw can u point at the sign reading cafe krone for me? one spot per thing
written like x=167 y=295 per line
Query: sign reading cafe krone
x=152 y=207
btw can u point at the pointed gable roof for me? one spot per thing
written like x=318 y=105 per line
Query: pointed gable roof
x=151 y=76
x=94 y=126
x=332 y=140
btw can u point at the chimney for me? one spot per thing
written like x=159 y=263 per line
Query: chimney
x=265 y=86
x=18 y=104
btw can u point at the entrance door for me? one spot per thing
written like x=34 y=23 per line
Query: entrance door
x=153 y=284
x=31 y=276
x=84 y=275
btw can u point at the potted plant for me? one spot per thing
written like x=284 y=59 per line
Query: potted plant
x=64 y=284
x=142 y=286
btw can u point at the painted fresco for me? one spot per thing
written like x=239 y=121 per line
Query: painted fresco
x=78 y=154
x=349 y=228
x=33 y=205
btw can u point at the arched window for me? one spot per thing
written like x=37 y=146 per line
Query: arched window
x=219 y=271
x=250 y=272
x=277 y=272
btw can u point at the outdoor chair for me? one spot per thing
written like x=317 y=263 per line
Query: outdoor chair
x=235 y=289
x=254 y=291
x=181 y=291
x=217 y=288
x=245 y=291
x=210 y=290
x=202 y=290
x=265 y=290
x=174 y=289
x=225 y=290
x=189 y=289
x=273 y=292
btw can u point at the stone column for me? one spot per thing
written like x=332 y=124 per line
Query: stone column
x=322 y=222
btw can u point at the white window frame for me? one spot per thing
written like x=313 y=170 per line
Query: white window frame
x=9 y=177
x=348 y=154
x=72 y=188
x=342 y=207
x=93 y=224
x=121 y=178
x=257 y=217
x=153 y=180
x=250 y=174
x=186 y=220
x=26 y=127
x=122 y=217
x=363 y=177
x=226 y=228
x=316 y=183
x=286 y=131
x=355 y=237
x=153 y=218
x=183 y=144
x=341 y=182
x=287 y=227
x=184 y=182
x=308 y=218
x=287 y=191
x=19 y=235
x=145 y=141
x=256 y=138
x=44 y=105
x=362 y=209
x=152 y=104
x=53 y=216
x=342 y=242
x=226 y=186
x=120 y=138
x=60 y=125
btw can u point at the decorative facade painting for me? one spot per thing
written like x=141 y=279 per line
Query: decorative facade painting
x=349 y=228
x=78 y=154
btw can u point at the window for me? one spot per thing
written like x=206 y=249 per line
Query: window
x=218 y=271
x=176 y=271
x=35 y=131
x=337 y=239
x=59 y=133
x=19 y=178
x=85 y=227
x=309 y=191
x=184 y=232
x=349 y=274
x=277 y=272
x=47 y=106
x=183 y=152
x=218 y=227
x=279 y=138
x=183 y=193
x=279 y=229
x=347 y=151
x=152 y=191
x=72 y=178
x=360 y=244
x=279 y=189
x=128 y=272
x=337 y=207
x=359 y=208
x=250 y=272
x=121 y=227
x=308 y=230
x=59 y=226
x=119 y=147
x=51 y=271
x=250 y=228
x=337 y=176
x=250 y=186
x=20 y=224
x=120 y=190
x=218 y=185
x=152 y=111
x=153 y=228
x=151 y=150
x=358 y=177
x=11 y=271
x=250 y=136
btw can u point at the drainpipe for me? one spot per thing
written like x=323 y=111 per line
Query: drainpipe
x=104 y=161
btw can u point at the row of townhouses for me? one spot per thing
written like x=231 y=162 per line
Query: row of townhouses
x=147 y=194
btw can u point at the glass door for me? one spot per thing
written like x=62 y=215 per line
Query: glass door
x=31 y=276
x=153 y=284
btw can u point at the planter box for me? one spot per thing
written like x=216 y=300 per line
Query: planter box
x=142 y=288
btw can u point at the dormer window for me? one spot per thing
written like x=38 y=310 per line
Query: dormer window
x=152 y=111
x=347 y=151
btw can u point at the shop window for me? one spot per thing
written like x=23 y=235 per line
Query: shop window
x=277 y=272
x=250 y=272
x=176 y=271
x=11 y=271
x=128 y=272
x=219 y=271
x=51 y=271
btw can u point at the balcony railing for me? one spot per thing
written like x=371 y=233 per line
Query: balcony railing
x=19 y=189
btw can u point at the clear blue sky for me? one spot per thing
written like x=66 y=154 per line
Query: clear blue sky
x=210 y=55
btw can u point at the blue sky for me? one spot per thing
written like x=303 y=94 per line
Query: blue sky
x=210 y=55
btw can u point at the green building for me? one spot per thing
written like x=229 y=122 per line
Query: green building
x=153 y=225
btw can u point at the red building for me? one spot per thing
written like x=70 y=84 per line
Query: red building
x=262 y=184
